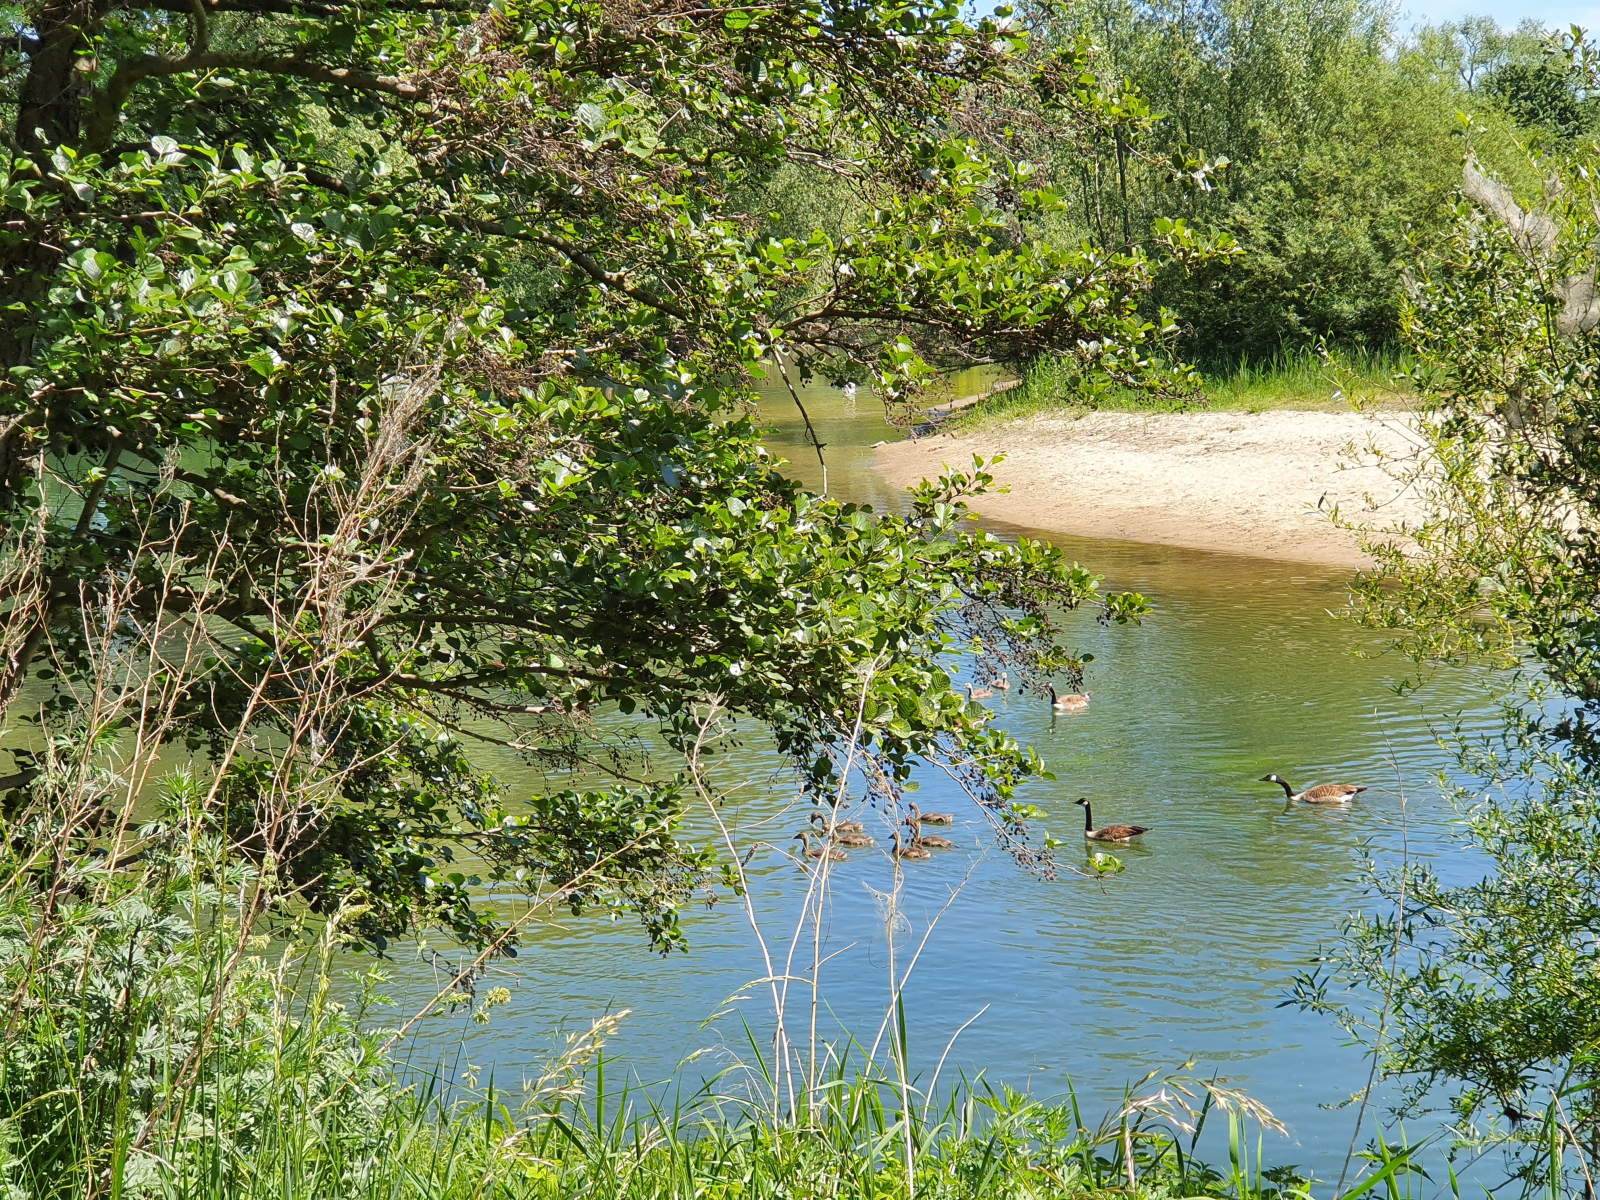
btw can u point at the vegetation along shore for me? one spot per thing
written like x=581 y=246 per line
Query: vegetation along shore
x=406 y=616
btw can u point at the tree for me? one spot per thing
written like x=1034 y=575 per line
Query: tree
x=1539 y=95
x=406 y=350
x=1338 y=135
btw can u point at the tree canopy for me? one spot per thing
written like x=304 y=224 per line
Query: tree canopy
x=403 y=354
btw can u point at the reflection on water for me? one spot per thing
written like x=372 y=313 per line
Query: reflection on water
x=1240 y=671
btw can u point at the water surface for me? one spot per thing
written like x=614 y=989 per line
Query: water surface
x=1189 y=952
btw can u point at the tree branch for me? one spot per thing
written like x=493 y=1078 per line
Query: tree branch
x=103 y=115
x=290 y=8
x=578 y=257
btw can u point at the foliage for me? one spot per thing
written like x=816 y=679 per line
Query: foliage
x=1540 y=95
x=406 y=354
x=1337 y=139
x=1492 y=977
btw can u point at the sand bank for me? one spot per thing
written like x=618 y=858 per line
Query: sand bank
x=1239 y=483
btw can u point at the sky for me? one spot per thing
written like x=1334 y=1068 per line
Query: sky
x=1509 y=13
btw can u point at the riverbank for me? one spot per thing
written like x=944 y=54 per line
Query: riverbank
x=1262 y=484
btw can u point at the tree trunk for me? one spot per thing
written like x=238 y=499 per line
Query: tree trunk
x=48 y=112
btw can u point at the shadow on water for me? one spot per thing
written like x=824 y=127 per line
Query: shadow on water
x=1240 y=671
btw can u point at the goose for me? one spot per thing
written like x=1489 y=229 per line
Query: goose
x=979 y=693
x=931 y=841
x=1003 y=684
x=818 y=818
x=1072 y=702
x=922 y=818
x=1323 y=793
x=846 y=833
x=912 y=851
x=1111 y=833
x=821 y=853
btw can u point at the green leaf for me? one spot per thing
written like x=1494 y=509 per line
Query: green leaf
x=265 y=362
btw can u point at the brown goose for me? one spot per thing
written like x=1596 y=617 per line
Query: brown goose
x=931 y=841
x=912 y=851
x=853 y=839
x=1073 y=702
x=1110 y=833
x=1323 y=793
x=821 y=819
x=979 y=693
x=922 y=818
x=821 y=853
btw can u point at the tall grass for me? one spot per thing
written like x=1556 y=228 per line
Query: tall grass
x=302 y=1103
x=1307 y=379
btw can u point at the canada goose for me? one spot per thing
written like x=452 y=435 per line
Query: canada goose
x=822 y=853
x=912 y=851
x=1072 y=702
x=922 y=818
x=1111 y=833
x=979 y=693
x=930 y=840
x=1323 y=793
x=838 y=826
x=1003 y=684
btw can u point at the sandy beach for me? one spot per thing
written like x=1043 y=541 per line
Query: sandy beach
x=1240 y=483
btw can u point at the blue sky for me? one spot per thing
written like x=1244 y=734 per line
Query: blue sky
x=1560 y=13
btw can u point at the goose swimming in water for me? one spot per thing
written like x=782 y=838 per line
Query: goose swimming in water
x=979 y=693
x=1072 y=702
x=821 y=853
x=931 y=841
x=1109 y=833
x=821 y=820
x=912 y=851
x=922 y=818
x=854 y=839
x=1323 y=793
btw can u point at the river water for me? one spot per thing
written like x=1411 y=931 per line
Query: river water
x=1189 y=952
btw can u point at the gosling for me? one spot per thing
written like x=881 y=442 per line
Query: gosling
x=821 y=853
x=821 y=819
x=922 y=818
x=931 y=841
x=913 y=851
